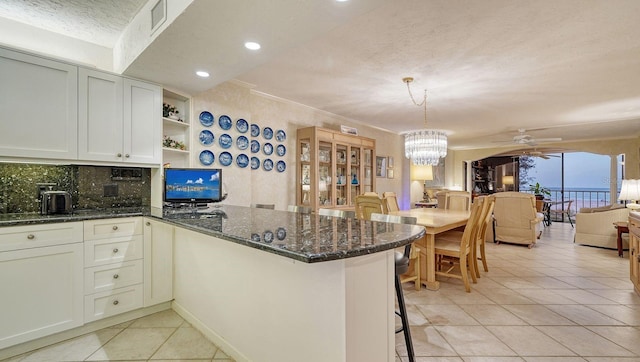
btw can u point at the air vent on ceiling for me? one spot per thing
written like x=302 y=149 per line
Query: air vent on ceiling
x=158 y=14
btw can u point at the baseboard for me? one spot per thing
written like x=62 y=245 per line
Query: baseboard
x=214 y=337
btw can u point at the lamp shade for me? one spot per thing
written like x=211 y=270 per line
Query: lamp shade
x=630 y=191
x=421 y=173
x=507 y=180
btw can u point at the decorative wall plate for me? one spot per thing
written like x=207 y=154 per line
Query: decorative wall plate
x=242 y=160
x=225 y=158
x=255 y=146
x=255 y=163
x=242 y=126
x=267 y=148
x=267 y=164
x=242 y=142
x=206 y=137
x=224 y=122
x=225 y=140
x=281 y=136
x=255 y=130
x=281 y=150
x=206 y=118
x=267 y=236
x=281 y=233
x=267 y=132
x=281 y=166
x=206 y=157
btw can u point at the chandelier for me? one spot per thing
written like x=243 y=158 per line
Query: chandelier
x=424 y=146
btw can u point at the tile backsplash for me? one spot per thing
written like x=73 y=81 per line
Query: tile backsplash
x=91 y=187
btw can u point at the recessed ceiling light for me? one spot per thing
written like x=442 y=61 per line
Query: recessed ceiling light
x=202 y=74
x=342 y=1
x=252 y=45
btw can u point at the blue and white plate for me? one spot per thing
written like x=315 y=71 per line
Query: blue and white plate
x=225 y=158
x=206 y=118
x=267 y=148
x=225 y=140
x=255 y=163
x=255 y=237
x=242 y=160
x=206 y=157
x=255 y=146
x=281 y=166
x=242 y=126
x=267 y=236
x=281 y=233
x=242 y=142
x=206 y=137
x=255 y=130
x=224 y=122
x=281 y=136
x=267 y=132
x=281 y=150
x=267 y=164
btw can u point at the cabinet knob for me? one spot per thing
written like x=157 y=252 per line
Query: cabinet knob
x=115 y=250
x=31 y=236
x=116 y=276
x=126 y=155
x=148 y=223
x=115 y=227
x=119 y=155
x=115 y=302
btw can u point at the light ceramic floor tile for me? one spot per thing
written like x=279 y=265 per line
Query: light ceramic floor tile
x=220 y=355
x=446 y=315
x=627 y=337
x=548 y=282
x=538 y=315
x=612 y=359
x=133 y=344
x=584 y=296
x=583 y=315
x=622 y=313
x=433 y=359
x=492 y=315
x=627 y=296
x=583 y=283
x=165 y=319
x=545 y=296
x=515 y=283
x=427 y=342
x=528 y=341
x=554 y=359
x=506 y=296
x=584 y=342
x=186 y=343
x=76 y=349
x=492 y=359
x=416 y=318
x=474 y=341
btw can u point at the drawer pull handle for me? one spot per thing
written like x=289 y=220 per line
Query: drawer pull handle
x=116 y=276
x=115 y=250
x=148 y=223
x=115 y=302
x=115 y=227
x=127 y=155
x=31 y=236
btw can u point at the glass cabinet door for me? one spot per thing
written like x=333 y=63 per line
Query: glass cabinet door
x=354 y=174
x=367 y=177
x=342 y=154
x=304 y=172
x=325 y=174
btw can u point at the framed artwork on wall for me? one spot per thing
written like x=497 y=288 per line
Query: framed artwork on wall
x=381 y=166
x=390 y=173
x=390 y=162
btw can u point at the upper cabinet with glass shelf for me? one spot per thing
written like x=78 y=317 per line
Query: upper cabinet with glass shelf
x=333 y=168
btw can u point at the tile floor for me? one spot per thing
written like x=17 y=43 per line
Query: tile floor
x=162 y=336
x=557 y=302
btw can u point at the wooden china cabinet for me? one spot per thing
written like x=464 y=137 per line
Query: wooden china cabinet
x=333 y=168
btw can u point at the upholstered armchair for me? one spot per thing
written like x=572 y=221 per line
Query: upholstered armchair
x=594 y=226
x=516 y=219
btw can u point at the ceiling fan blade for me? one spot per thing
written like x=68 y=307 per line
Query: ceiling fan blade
x=556 y=139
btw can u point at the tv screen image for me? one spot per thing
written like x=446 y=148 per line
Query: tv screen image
x=192 y=185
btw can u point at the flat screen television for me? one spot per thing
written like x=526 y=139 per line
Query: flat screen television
x=192 y=185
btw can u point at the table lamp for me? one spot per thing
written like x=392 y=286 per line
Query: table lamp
x=422 y=174
x=630 y=191
x=507 y=180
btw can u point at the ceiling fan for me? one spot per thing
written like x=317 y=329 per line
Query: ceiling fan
x=524 y=139
x=536 y=153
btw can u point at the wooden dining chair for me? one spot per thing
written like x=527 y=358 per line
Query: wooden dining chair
x=455 y=250
x=368 y=204
x=391 y=200
x=457 y=200
x=564 y=210
x=486 y=220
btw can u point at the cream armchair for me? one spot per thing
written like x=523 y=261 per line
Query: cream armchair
x=594 y=226
x=516 y=219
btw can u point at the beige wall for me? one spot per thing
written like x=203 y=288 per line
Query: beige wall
x=246 y=186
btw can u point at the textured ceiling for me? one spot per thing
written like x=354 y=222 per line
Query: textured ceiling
x=568 y=69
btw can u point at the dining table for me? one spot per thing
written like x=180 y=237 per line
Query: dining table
x=435 y=221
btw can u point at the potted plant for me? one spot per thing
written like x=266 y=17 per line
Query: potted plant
x=540 y=191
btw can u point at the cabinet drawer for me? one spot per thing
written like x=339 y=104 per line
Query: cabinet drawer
x=108 y=228
x=113 y=250
x=112 y=276
x=106 y=304
x=34 y=236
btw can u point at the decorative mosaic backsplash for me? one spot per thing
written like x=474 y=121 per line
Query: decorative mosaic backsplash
x=91 y=187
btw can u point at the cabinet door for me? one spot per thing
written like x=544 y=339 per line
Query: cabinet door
x=38 y=107
x=100 y=116
x=142 y=122
x=41 y=292
x=158 y=262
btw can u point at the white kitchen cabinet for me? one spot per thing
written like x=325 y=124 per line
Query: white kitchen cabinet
x=119 y=119
x=158 y=262
x=38 y=107
x=40 y=280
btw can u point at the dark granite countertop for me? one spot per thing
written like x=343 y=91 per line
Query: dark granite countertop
x=307 y=238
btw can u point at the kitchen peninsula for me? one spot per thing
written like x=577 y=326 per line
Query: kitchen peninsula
x=269 y=285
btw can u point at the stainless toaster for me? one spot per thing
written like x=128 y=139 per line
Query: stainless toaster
x=55 y=202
